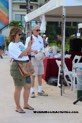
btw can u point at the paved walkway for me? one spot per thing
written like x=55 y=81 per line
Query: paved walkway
x=54 y=102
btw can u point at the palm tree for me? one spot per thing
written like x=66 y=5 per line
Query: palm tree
x=16 y=24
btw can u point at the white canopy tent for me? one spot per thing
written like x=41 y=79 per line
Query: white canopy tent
x=62 y=9
x=53 y=8
x=79 y=25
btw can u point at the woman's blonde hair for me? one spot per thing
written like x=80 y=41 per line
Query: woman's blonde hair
x=13 y=32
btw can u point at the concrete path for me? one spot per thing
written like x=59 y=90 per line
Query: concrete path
x=53 y=106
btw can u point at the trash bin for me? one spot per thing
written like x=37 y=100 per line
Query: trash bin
x=79 y=83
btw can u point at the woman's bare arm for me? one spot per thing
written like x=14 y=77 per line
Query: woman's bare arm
x=27 y=50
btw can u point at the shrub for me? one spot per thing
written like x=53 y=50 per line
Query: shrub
x=7 y=42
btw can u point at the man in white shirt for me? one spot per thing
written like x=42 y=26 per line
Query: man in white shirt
x=37 y=46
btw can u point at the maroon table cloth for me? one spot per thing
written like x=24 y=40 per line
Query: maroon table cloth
x=75 y=53
x=51 y=68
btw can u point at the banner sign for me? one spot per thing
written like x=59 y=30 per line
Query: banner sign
x=4 y=13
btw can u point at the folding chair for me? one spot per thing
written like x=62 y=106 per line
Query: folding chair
x=76 y=59
x=74 y=66
x=59 y=67
x=67 y=74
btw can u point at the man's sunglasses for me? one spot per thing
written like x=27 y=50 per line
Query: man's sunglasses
x=37 y=30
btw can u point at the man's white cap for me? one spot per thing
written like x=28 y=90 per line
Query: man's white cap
x=35 y=26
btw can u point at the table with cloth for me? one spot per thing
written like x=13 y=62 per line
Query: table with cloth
x=51 y=68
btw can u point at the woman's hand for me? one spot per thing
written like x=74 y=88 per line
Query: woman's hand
x=30 y=43
x=35 y=51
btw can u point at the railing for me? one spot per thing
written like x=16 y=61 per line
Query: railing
x=34 y=0
x=25 y=0
x=19 y=0
x=4 y=27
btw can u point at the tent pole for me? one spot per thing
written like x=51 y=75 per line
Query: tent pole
x=27 y=11
x=63 y=49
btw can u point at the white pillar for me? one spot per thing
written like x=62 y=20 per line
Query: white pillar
x=10 y=11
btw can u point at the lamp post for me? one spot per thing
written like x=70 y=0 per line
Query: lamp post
x=27 y=11
x=27 y=6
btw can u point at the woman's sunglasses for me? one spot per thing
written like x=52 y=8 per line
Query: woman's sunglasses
x=20 y=34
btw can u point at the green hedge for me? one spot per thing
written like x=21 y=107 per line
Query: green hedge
x=7 y=42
